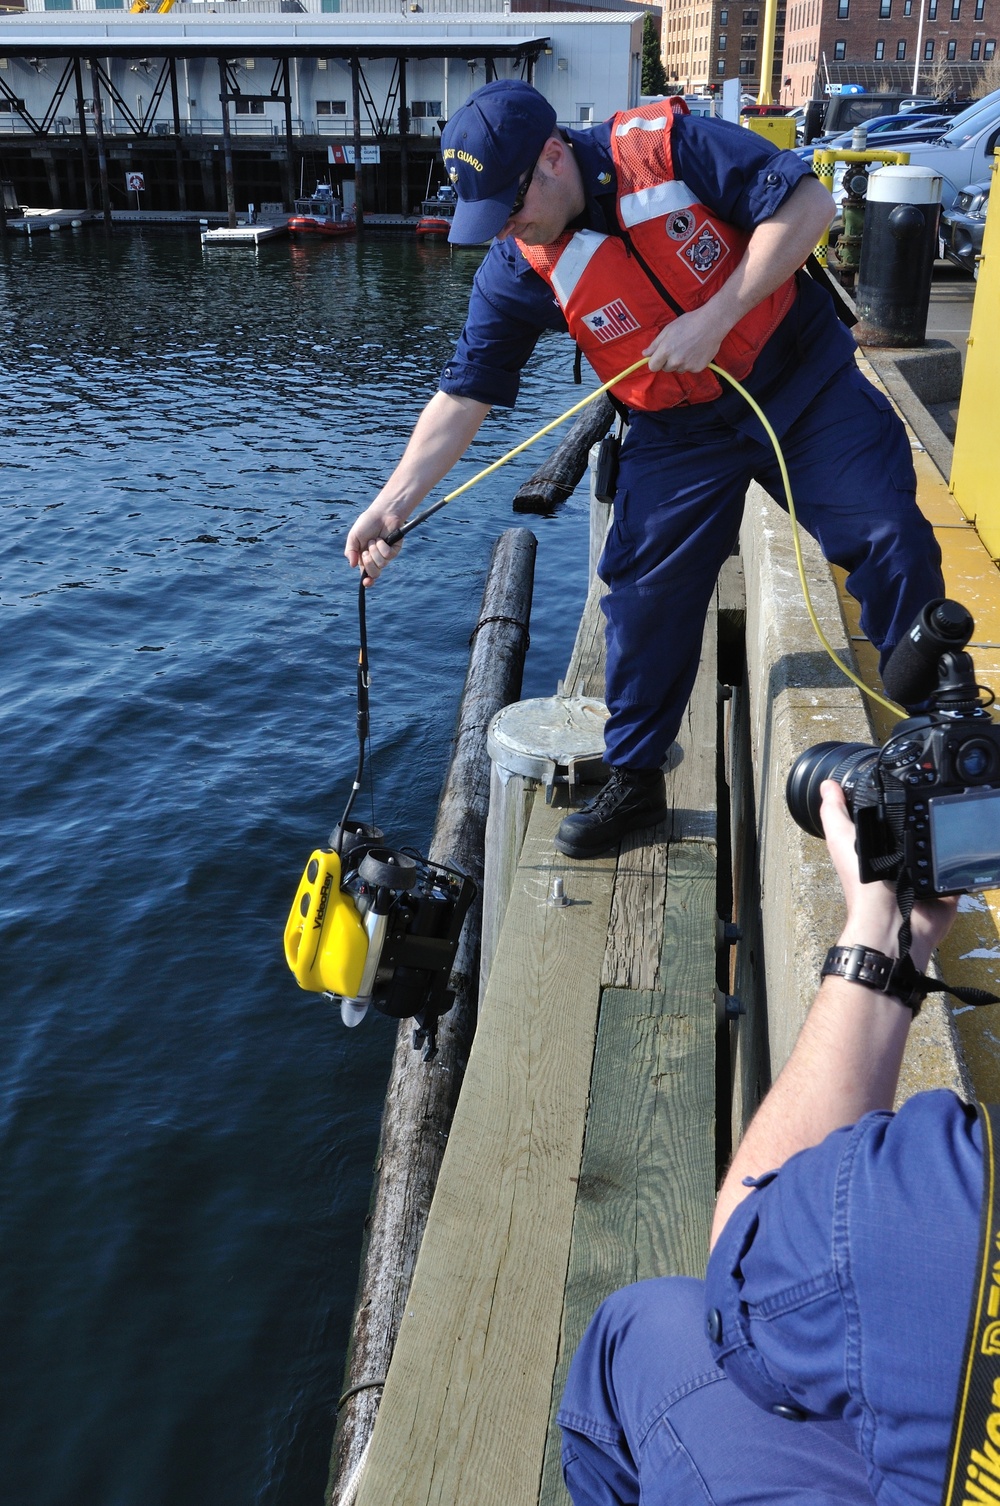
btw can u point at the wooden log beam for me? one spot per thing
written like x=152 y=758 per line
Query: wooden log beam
x=421 y=1097
x=558 y=476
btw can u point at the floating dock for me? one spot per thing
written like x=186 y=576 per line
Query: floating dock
x=243 y=235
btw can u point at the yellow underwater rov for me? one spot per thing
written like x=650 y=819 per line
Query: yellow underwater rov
x=371 y=927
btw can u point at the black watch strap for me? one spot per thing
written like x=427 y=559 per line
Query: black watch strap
x=887 y=975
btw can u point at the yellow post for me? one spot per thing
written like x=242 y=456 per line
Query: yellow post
x=767 y=53
x=974 y=466
x=823 y=165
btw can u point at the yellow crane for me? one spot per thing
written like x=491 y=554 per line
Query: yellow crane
x=138 y=6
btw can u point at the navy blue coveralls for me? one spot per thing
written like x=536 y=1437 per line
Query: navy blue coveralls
x=818 y=1362
x=685 y=470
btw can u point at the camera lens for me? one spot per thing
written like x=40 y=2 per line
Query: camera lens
x=974 y=760
x=843 y=762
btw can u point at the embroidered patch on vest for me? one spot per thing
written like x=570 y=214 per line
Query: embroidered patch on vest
x=703 y=251
x=611 y=322
x=680 y=225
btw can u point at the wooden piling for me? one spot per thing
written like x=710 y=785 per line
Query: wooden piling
x=558 y=476
x=421 y=1097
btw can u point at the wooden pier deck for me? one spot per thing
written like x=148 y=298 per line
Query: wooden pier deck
x=582 y=1153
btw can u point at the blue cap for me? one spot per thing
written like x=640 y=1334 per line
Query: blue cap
x=488 y=145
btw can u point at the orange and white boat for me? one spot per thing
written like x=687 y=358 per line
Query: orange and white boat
x=322 y=214
x=437 y=214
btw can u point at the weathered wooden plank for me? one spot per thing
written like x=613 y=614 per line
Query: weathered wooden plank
x=466 y=1403
x=647 y=1180
x=586 y=664
x=632 y=959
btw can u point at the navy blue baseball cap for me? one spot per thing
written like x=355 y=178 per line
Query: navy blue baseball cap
x=488 y=145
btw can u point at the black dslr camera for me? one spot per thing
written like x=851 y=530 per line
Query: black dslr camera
x=926 y=805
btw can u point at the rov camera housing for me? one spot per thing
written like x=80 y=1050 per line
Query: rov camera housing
x=371 y=926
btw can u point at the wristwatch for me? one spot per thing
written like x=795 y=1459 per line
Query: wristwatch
x=887 y=975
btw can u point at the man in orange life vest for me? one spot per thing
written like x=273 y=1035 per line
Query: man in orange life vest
x=660 y=234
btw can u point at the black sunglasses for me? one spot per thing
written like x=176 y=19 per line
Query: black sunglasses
x=518 y=203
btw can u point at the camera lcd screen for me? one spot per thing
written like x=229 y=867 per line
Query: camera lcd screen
x=965 y=841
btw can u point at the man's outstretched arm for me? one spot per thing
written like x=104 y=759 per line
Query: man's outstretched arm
x=846 y=1060
x=442 y=434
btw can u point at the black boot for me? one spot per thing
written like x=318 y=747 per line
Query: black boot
x=631 y=798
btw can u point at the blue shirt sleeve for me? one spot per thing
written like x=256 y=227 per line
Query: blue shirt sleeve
x=840 y=1288
x=509 y=308
x=734 y=171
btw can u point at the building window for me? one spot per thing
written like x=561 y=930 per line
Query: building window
x=980 y=7
x=900 y=52
x=907 y=7
x=10 y=105
x=420 y=109
x=749 y=18
x=339 y=107
x=746 y=65
x=956 y=10
x=879 y=51
x=586 y=115
x=885 y=7
x=932 y=10
x=720 y=66
x=977 y=48
x=332 y=6
x=109 y=4
x=722 y=41
x=989 y=48
x=952 y=49
x=839 y=51
x=58 y=4
x=748 y=44
x=247 y=105
x=929 y=51
x=843 y=9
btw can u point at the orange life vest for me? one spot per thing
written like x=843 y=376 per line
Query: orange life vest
x=613 y=307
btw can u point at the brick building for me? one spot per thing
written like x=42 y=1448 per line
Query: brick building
x=877 y=43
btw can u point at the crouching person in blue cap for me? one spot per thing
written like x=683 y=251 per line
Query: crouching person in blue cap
x=821 y=1361
x=681 y=238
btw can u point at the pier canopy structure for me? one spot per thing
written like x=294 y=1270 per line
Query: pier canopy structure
x=276 y=89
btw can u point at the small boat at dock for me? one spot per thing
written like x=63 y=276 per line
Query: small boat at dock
x=437 y=214
x=321 y=214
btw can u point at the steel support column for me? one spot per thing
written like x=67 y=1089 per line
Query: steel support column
x=102 y=156
x=358 y=171
x=289 y=139
x=178 y=149
x=88 y=187
x=404 y=131
x=227 y=145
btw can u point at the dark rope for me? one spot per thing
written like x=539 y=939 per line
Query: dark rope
x=353 y=1391
x=483 y=621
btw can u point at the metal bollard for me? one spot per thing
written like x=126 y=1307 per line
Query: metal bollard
x=897 y=256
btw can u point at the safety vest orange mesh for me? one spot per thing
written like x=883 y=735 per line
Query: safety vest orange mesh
x=611 y=305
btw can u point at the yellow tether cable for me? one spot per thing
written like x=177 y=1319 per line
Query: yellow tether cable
x=400 y=533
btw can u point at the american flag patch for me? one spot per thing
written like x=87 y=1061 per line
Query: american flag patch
x=611 y=322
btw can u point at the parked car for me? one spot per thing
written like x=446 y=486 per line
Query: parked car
x=962 y=227
x=962 y=154
x=884 y=130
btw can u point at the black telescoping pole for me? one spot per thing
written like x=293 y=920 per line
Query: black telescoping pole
x=359 y=216
x=88 y=187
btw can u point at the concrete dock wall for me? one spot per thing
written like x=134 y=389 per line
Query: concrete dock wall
x=794 y=696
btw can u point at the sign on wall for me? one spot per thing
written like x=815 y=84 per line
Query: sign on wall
x=343 y=156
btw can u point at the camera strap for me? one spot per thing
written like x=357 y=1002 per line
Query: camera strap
x=973 y=1472
x=918 y=984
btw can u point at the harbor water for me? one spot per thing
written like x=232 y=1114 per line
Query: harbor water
x=186 y=1139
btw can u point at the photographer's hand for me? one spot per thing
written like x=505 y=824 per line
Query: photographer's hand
x=846 y=1060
